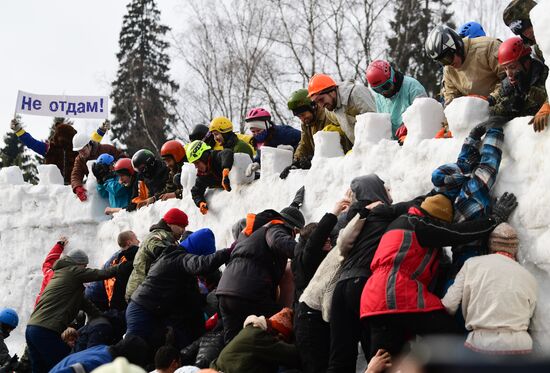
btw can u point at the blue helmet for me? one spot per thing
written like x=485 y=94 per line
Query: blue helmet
x=471 y=30
x=106 y=159
x=9 y=317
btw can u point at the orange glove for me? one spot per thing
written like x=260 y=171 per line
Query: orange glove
x=203 y=207
x=540 y=120
x=225 y=180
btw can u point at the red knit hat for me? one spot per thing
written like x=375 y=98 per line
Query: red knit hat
x=282 y=322
x=177 y=217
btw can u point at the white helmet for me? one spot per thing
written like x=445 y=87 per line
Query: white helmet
x=80 y=140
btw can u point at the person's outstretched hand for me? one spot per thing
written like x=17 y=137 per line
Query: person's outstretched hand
x=504 y=207
x=341 y=206
x=15 y=125
x=80 y=192
x=379 y=362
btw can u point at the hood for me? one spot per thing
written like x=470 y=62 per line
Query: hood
x=201 y=242
x=160 y=225
x=63 y=263
x=370 y=188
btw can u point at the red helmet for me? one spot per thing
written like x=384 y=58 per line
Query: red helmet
x=378 y=72
x=124 y=166
x=174 y=149
x=257 y=113
x=512 y=50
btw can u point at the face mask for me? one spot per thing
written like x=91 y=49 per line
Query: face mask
x=260 y=137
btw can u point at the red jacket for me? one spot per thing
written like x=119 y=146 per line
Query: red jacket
x=47 y=267
x=407 y=259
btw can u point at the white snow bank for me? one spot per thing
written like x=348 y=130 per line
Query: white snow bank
x=32 y=217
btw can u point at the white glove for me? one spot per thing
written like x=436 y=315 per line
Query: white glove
x=253 y=167
x=15 y=125
x=286 y=147
x=105 y=126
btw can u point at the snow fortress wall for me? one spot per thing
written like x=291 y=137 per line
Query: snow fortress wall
x=33 y=217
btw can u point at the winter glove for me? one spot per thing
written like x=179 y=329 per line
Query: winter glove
x=225 y=180
x=80 y=192
x=401 y=131
x=253 y=167
x=11 y=365
x=203 y=208
x=15 y=125
x=491 y=100
x=284 y=173
x=478 y=131
x=304 y=163
x=105 y=126
x=298 y=200
x=540 y=120
x=505 y=205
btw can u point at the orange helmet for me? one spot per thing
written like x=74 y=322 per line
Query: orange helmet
x=319 y=83
x=174 y=149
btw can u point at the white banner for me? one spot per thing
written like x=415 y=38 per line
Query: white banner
x=92 y=107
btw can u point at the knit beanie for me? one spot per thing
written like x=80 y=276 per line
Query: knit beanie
x=504 y=238
x=282 y=322
x=78 y=256
x=201 y=242
x=177 y=217
x=438 y=206
x=293 y=216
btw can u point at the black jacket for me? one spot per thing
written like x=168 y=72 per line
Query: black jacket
x=121 y=279
x=171 y=287
x=258 y=263
x=156 y=181
x=357 y=262
x=309 y=255
x=218 y=161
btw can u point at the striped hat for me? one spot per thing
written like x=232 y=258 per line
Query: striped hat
x=504 y=238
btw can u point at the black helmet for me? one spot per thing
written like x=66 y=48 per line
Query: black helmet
x=444 y=42
x=198 y=133
x=143 y=161
x=293 y=216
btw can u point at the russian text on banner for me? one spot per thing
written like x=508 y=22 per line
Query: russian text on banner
x=91 y=107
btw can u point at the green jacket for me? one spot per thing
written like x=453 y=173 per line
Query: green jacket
x=232 y=142
x=150 y=249
x=517 y=101
x=64 y=295
x=171 y=186
x=254 y=350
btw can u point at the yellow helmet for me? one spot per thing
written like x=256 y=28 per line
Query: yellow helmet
x=221 y=124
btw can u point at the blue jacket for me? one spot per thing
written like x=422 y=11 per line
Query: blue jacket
x=281 y=135
x=398 y=103
x=88 y=359
x=35 y=145
x=118 y=194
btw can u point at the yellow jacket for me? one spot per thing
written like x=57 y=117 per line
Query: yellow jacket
x=480 y=74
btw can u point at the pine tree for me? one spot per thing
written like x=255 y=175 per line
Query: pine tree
x=13 y=154
x=142 y=92
x=413 y=21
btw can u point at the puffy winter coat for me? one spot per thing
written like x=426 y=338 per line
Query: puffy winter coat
x=91 y=152
x=4 y=352
x=150 y=249
x=352 y=100
x=408 y=89
x=64 y=295
x=115 y=287
x=234 y=143
x=407 y=260
x=480 y=73
x=517 y=101
x=309 y=255
x=84 y=361
x=280 y=135
x=258 y=263
x=218 y=161
x=171 y=286
x=118 y=194
x=47 y=267
x=498 y=298
x=155 y=181
x=255 y=350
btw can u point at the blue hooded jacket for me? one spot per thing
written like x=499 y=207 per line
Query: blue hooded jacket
x=281 y=135
x=201 y=242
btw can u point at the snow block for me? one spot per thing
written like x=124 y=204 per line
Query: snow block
x=423 y=119
x=237 y=175
x=327 y=144
x=188 y=178
x=11 y=175
x=540 y=17
x=274 y=160
x=464 y=113
x=49 y=174
x=371 y=128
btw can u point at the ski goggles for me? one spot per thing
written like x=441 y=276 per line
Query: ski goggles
x=519 y=26
x=446 y=58
x=386 y=86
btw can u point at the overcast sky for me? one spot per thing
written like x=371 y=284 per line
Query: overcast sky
x=62 y=47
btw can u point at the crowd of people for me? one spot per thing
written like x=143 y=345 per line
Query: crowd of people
x=294 y=296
